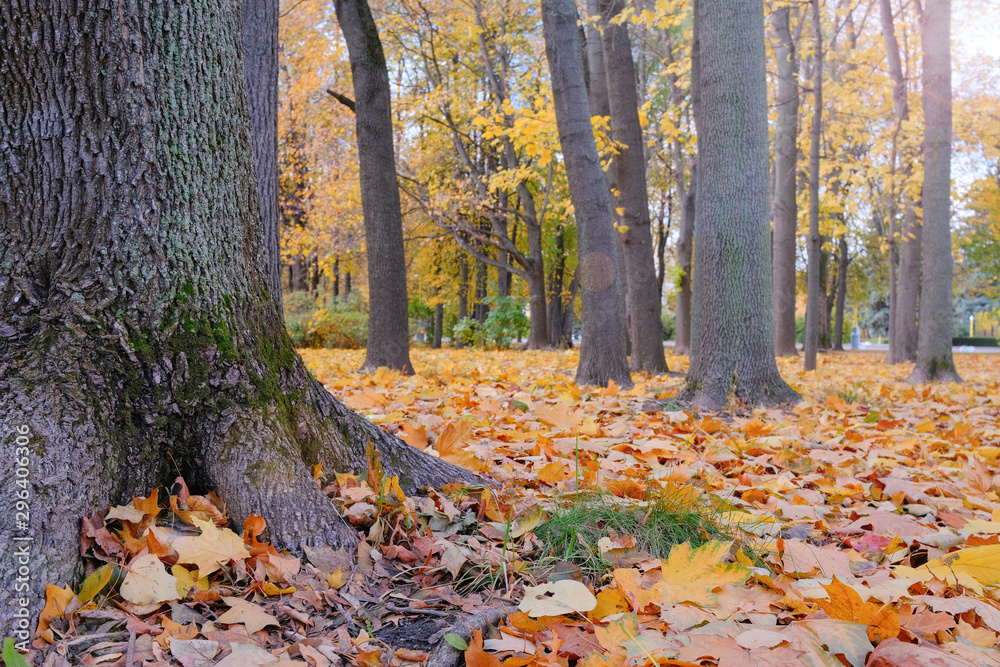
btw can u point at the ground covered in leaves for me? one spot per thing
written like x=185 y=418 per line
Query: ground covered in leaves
x=860 y=527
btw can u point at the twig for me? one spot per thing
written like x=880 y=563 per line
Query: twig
x=130 y=653
x=411 y=610
x=347 y=617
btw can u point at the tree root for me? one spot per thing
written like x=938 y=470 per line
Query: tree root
x=446 y=655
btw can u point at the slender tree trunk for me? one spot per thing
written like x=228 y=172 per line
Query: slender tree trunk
x=388 y=319
x=645 y=325
x=336 y=277
x=260 y=46
x=602 y=353
x=538 y=336
x=438 y=324
x=785 y=208
x=908 y=288
x=557 y=278
x=934 y=361
x=826 y=295
x=136 y=317
x=904 y=267
x=811 y=335
x=733 y=352
x=347 y=285
x=842 y=262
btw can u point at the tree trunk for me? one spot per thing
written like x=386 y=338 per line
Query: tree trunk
x=602 y=352
x=785 y=208
x=136 y=317
x=826 y=295
x=813 y=305
x=842 y=262
x=336 y=277
x=260 y=46
x=645 y=325
x=558 y=335
x=438 y=325
x=904 y=268
x=388 y=320
x=347 y=285
x=934 y=361
x=908 y=287
x=733 y=338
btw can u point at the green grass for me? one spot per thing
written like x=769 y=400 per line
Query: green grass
x=573 y=531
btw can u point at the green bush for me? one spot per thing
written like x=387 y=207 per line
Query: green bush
x=667 y=318
x=505 y=322
x=977 y=341
x=334 y=324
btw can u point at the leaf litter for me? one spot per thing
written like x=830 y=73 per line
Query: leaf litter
x=860 y=527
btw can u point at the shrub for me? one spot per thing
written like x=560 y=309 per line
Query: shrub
x=505 y=322
x=977 y=341
x=335 y=324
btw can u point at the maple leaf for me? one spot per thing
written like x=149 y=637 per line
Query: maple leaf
x=845 y=604
x=475 y=656
x=691 y=575
x=211 y=549
x=249 y=614
x=56 y=602
x=147 y=582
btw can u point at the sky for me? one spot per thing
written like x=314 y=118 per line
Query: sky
x=976 y=27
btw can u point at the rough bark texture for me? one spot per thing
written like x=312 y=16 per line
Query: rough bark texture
x=602 y=350
x=644 y=323
x=934 y=362
x=810 y=337
x=136 y=318
x=260 y=47
x=785 y=208
x=388 y=320
x=733 y=341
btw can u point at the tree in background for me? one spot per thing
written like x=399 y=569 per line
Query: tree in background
x=732 y=356
x=811 y=337
x=644 y=323
x=260 y=45
x=388 y=322
x=934 y=362
x=602 y=351
x=785 y=206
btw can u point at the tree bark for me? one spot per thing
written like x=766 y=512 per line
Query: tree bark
x=644 y=323
x=260 y=46
x=136 y=316
x=785 y=207
x=388 y=319
x=813 y=304
x=908 y=287
x=732 y=334
x=602 y=351
x=838 y=326
x=904 y=266
x=934 y=360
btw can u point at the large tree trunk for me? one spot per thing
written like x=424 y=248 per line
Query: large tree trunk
x=643 y=299
x=260 y=46
x=602 y=351
x=934 y=362
x=813 y=304
x=785 y=208
x=137 y=326
x=388 y=321
x=732 y=334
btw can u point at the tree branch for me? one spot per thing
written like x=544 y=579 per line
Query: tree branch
x=343 y=99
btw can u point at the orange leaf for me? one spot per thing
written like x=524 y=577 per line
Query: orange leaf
x=846 y=605
x=475 y=656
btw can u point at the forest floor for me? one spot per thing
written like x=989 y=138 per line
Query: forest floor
x=860 y=527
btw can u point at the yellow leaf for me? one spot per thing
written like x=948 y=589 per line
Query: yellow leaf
x=249 y=614
x=844 y=604
x=147 y=582
x=691 y=575
x=971 y=568
x=210 y=550
x=95 y=583
x=336 y=579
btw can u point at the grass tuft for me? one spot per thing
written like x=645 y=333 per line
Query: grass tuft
x=573 y=531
